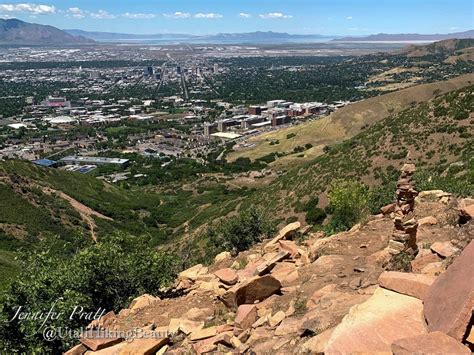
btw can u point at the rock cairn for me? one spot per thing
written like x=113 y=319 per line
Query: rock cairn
x=403 y=238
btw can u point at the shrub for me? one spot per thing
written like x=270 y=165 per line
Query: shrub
x=105 y=275
x=315 y=215
x=241 y=232
x=349 y=204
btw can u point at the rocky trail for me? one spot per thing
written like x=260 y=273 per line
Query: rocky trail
x=306 y=293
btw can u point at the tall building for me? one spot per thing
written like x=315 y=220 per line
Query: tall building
x=149 y=71
x=255 y=110
x=209 y=128
x=216 y=68
x=178 y=69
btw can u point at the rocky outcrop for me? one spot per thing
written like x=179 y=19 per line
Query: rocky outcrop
x=322 y=295
x=449 y=303
x=431 y=343
x=374 y=325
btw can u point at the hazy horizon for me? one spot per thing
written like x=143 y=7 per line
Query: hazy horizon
x=329 y=18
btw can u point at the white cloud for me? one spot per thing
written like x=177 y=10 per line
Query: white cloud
x=138 y=16
x=210 y=15
x=275 y=15
x=178 y=14
x=244 y=15
x=102 y=14
x=34 y=9
x=454 y=28
x=76 y=13
x=349 y=18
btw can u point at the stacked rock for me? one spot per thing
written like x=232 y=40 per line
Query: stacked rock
x=403 y=238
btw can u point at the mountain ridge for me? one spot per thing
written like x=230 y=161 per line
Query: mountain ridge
x=17 y=32
x=408 y=37
x=244 y=36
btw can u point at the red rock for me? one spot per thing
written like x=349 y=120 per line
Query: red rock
x=246 y=316
x=284 y=233
x=286 y=273
x=145 y=346
x=227 y=276
x=431 y=343
x=79 y=349
x=210 y=344
x=224 y=328
x=99 y=343
x=268 y=265
x=254 y=289
x=467 y=212
x=443 y=249
x=374 y=325
x=387 y=209
x=415 y=285
x=318 y=343
x=427 y=220
x=204 y=333
x=449 y=302
x=289 y=246
x=420 y=262
x=276 y=319
x=288 y=326
x=142 y=302
x=433 y=269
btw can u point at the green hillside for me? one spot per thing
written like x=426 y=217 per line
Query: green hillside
x=439 y=135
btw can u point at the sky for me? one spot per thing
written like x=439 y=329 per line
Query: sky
x=327 y=17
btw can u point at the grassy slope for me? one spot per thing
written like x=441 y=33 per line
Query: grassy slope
x=344 y=123
x=438 y=134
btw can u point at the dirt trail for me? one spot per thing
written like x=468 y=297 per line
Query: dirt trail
x=83 y=210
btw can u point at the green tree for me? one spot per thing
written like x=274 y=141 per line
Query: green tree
x=105 y=275
x=240 y=232
x=349 y=204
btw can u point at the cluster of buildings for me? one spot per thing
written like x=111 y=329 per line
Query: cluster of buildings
x=274 y=114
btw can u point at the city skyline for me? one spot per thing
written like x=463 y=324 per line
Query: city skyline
x=216 y=16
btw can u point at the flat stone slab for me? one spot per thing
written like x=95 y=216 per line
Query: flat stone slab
x=416 y=285
x=431 y=343
x=449 y=302
x=374 y=325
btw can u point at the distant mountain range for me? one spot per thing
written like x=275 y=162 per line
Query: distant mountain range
x=255 y=37
x=17 y=32
x=408 y=37
x=13 y=31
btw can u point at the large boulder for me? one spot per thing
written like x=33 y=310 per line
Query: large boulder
x=255 y=289
x=415 y=285
x=375 y=324
x=449 y=302
x=431 y=343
